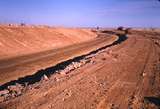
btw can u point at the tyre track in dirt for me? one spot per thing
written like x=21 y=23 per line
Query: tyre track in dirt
x=27 y=65
x=137 y=95
x=123 y=76
x=128 y=91
x=93 y=52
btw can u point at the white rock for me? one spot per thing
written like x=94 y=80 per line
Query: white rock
x=15 y=89
x=64 y=72
x=4 y=92
x=144 y=74
x=45 y=77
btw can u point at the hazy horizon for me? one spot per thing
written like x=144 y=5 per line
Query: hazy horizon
x=82 y=13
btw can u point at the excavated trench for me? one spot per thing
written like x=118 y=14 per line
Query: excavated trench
x=31 y=79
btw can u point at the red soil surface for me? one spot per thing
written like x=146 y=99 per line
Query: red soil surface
x=22 y=40
x=122 y=75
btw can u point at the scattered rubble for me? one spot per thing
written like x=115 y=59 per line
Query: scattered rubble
x=4 y=92
x=144 y=74
x=11 y=92
x=17 y=89
x=74 y=65
x=45 y=78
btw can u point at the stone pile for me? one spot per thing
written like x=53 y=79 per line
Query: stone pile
x=11 y=92
x=74 y=65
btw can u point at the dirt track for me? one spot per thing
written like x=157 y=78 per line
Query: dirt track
x=123 y=76
x=14 y=68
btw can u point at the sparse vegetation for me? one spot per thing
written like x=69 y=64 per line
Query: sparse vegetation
x=120 y=28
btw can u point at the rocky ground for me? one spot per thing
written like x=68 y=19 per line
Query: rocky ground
x=123 y=75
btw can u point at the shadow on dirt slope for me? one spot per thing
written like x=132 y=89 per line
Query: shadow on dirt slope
x=153 y=100
x=31 y=79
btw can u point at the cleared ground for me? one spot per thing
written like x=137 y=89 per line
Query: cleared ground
x=123 y=75
x=14 y=68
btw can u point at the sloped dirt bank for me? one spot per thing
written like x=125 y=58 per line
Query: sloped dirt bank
x=123 y=76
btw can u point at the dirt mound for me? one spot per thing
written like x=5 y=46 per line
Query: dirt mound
x=20 y=40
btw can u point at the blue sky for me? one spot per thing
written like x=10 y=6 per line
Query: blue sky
x=82 y=13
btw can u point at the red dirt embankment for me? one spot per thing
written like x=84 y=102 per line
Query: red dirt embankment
x=18 y=40
x=124 y=75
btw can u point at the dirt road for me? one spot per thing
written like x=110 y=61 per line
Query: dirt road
x=14 y=68
x=122 y=76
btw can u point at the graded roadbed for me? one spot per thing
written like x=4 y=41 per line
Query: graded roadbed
x=14 y=68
